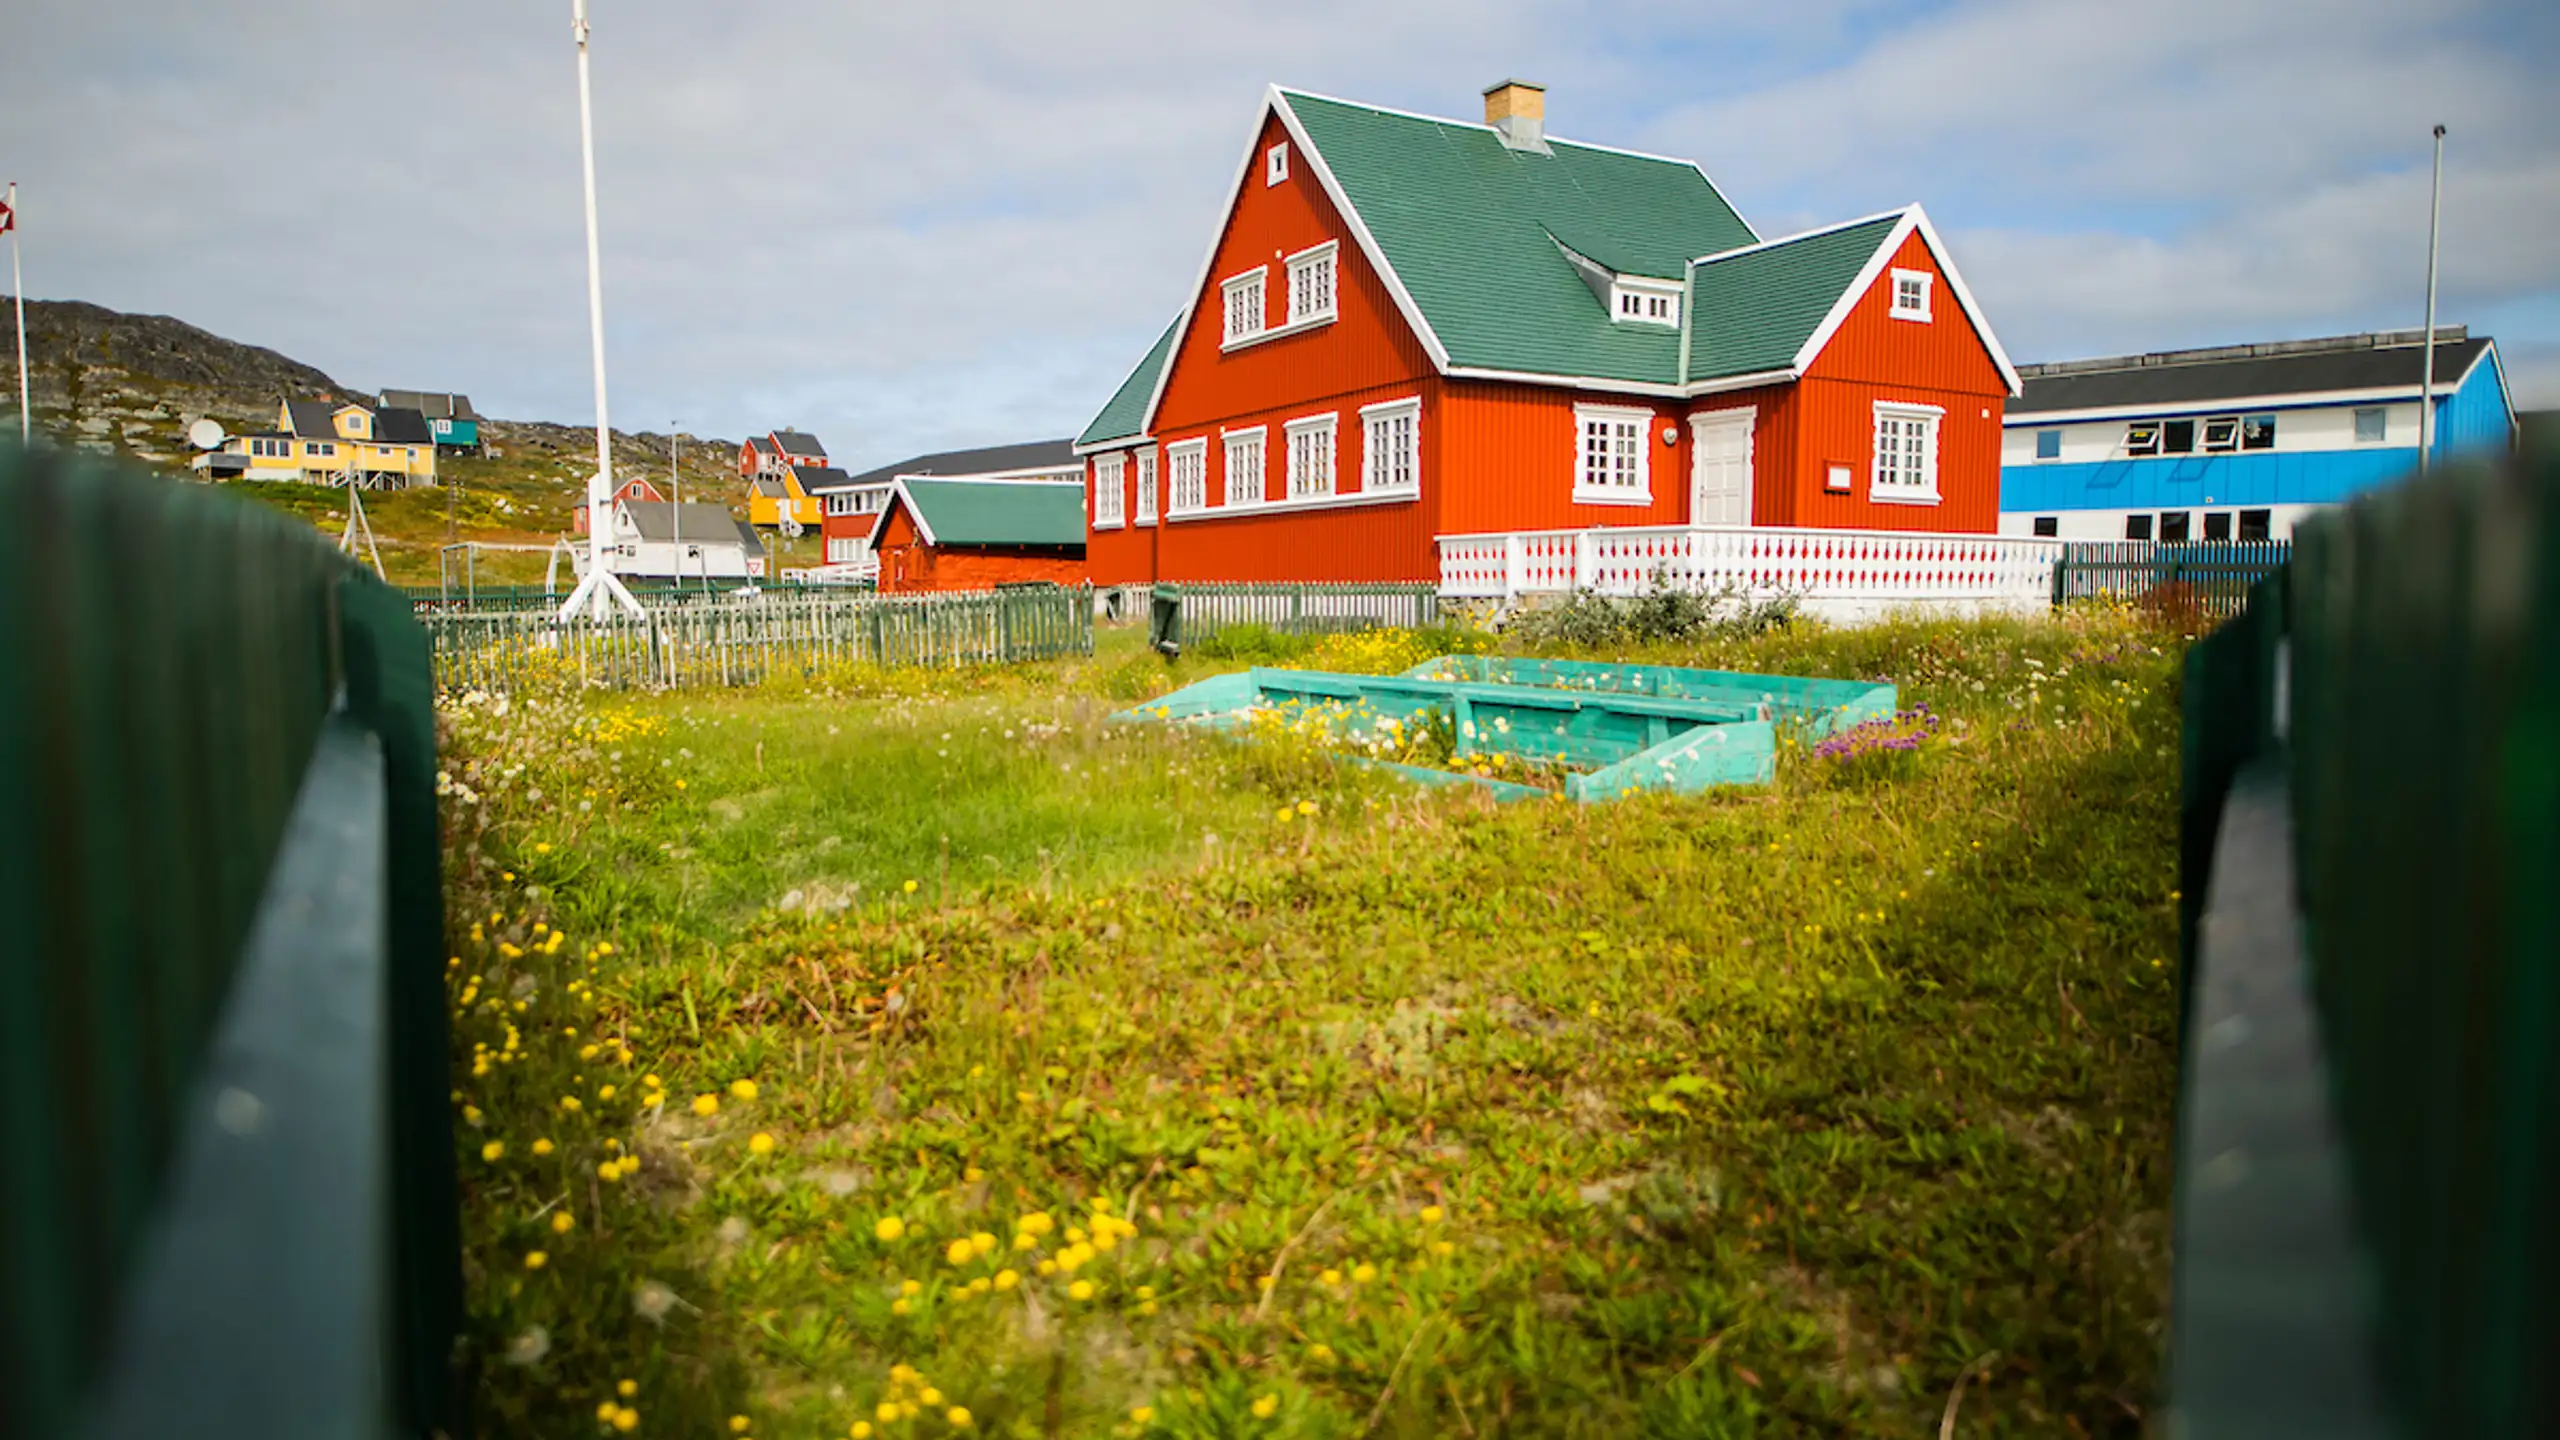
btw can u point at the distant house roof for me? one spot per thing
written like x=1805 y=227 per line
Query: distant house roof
x=1125 y=416
x=401 y=425
x=814 y=478
x=2386 y=361
x=1025 y=458
x=989 y=512
x=225 y=462
x=657 y=520
x=312 y=418
x=799 y=442
x=435 y=405
x=769 y=486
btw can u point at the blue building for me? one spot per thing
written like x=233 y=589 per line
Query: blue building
x=2236 y=442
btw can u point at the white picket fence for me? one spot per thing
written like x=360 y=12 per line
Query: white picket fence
x=1842 y=575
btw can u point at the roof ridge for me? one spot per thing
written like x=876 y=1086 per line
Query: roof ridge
x=1685 y=162
x=2259 y=350
x=1897 y=214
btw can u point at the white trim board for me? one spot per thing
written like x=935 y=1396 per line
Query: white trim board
x=1914 y=221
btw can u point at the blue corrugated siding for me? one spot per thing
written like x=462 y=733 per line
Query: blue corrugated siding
x=2173 y=482
x=2475 y=418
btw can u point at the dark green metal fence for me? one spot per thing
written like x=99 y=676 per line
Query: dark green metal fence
x=226 y=1185
x=743 y=640
x=2369 y=1166
x=2210 y=578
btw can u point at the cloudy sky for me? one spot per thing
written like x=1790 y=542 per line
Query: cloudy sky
x=916 y=226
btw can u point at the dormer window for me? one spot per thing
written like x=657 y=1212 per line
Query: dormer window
x=1640 y=302
x=1911 y=294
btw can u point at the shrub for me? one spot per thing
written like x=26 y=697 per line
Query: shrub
x=1663 y=613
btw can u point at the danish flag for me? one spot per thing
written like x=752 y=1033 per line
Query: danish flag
x=8 y=213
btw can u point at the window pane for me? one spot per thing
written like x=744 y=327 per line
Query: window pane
x=2142 y=439
x=2137 y=527
x=2173 y=525
x=2178 y=437
x=2253 y=524
x=2048 y=525
x=2371 y=426
x=2217 y=525
x=2048 y=444
x=2258 y=432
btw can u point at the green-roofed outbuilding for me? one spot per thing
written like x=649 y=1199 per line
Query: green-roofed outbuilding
x=980 y=534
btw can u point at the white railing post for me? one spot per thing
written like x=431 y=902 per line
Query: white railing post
x=1511 y=568
x=1582 y=560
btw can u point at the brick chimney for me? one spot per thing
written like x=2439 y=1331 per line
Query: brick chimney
x=1517 y=111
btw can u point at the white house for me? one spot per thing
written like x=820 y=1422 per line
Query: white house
x=658 y=540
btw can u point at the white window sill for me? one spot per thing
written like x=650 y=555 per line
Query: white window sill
x=1611 y=497
x=1283 y=507
x=1106 y=524
x=1918 y=316
x=1145 y=522
x=1881 y=497
x=1276 y=332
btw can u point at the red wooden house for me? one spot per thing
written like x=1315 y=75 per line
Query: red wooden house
x=1410 y=328
x=774 y=453
x=853 y=505
x=978 y=534
x=632 y=489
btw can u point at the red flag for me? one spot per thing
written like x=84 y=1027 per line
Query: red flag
x=8 y=216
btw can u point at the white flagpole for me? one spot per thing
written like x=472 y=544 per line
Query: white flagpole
x=599 y=582
x=18 y=291
x=2427 y=383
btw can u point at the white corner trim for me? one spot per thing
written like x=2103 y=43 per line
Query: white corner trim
x=1277 y=332
x=1410 y=402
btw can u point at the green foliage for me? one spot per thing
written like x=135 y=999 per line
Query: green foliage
x=1760 y=1112
x=1663 y=614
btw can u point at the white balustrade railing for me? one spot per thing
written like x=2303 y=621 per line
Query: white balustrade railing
x=1841 y=572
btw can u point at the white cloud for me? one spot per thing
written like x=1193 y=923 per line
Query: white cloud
x=911 y=226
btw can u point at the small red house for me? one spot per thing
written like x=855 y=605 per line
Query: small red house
x=772 y=454
x=1409 y=328
x=978 y=534
x=853 y=505
x=634 y=489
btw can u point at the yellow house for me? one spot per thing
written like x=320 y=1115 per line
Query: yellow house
x=775 y=498
x=336 y=444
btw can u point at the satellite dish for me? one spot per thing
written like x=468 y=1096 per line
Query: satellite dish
x=205 y=435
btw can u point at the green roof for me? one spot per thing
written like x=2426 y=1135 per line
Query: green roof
x=1751 y=312
x=997 y=512
x=1125 y=418
x=1472 y=228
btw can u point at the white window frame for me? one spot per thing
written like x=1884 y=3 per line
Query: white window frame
x=1927 y=284
x=1645 y=302
x=1624 y=475
x=1313 y=448
x=1315 y=260
x=1275 y=164
x=2381 y=425
x=1254 y=440
x=2138 y=442
x=2230 y=444
x=1391 y=447
x=1186 y=468
x=1236 y=308
x=1146 y=488
x=1880 y=490
x=1110 y=490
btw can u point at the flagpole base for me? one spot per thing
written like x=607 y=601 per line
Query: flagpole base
x=601 y=588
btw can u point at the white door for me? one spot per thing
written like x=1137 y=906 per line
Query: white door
x=1720 y=468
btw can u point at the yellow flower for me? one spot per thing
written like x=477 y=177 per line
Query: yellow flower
x=706 y=1105
x=569 y=1103
x=493 y=1149
x=542 y=847
x=900 y=1306
x=982 y=1242
x=535 y=1259
x=760 y=1143
x=904 y=1374
x=1443 y=1248
x=1431 y=1214
x=586 y=1052
x=1330 y=1277
x=1286 y=812
x=1081 y=1290
x=959 y=1417
x=743 y=1089
x=563 y=1222
x=1363 y=1273
x=1265 y=1406
x=1306 y=807
x=605 y=1093
x=1007 y=1279
x=1035 y=1223
x=1265 y=1282
x=604 y=1412
x=973 y=1174
x=887 y=1410
x=739 y=1423
x=1026 y=1241
x=909 y=1288
x=626 y=1388
x=909 y=887
x=1048 y=1267
x=652 y=1082
x=626 y=1419
x=929 y=1396
x=1321 y=1354
x=1141 y=1414
x=609 y=1170
x=861 y=1430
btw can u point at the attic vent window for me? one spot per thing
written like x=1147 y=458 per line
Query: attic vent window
x=1911 y=294
x=1640 y=304
x=1275 y=164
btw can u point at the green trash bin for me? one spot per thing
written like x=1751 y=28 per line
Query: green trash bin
x=1164 y=620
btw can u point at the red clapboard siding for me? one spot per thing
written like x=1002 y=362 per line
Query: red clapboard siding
x=1872 y=357
x=1509 y=455
x=907 y=564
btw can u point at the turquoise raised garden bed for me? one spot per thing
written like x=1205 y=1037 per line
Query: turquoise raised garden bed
x=1622 y=728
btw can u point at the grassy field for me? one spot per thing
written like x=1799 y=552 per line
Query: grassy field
x=915 y=1054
